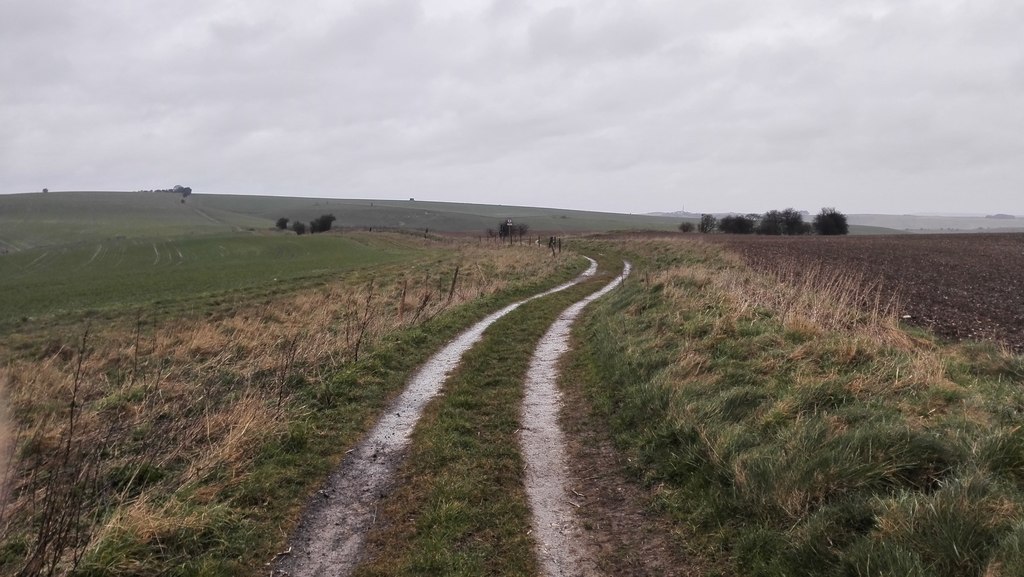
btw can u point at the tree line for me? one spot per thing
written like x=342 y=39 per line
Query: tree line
x=774 y=222
x=319 y=224
x=184 y=191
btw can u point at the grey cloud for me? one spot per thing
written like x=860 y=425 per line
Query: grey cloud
x=868 y=105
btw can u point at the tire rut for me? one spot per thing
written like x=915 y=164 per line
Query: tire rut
x=332 y=530
x=561 y=548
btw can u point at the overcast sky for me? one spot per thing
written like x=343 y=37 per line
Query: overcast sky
x=620 y=105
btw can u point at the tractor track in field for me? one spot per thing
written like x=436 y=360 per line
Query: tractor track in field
x=332 y=530
x=95 y=254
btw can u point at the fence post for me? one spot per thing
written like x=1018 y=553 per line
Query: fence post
x=451 y=291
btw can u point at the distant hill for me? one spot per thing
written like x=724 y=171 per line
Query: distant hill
x=44 y=219
x=940 y=223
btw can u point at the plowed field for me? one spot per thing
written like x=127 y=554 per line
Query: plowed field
x=961 y=286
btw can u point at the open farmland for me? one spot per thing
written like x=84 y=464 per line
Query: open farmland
x=35 y=220
x=959 y=286
x=123 y=273
x=183 y=390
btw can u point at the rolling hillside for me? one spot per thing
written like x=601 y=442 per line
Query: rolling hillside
x=34 y=220
x=938 y=223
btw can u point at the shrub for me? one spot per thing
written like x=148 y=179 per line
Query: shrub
x=282 y=223
x=793 y=223
x=737 y=224
x=779 y=222
x=322 y=223
x=770 y=223
x=831 y=222
x=708 y=223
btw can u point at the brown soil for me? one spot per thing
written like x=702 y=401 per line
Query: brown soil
x=961 y=286
x=618 y=516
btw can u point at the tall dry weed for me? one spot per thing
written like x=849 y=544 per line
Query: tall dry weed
x=6 y=447
x=807 y=298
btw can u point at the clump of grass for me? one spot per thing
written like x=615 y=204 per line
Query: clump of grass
x=7 y=436
x=954 y=530
x=797 y=427
x=147 y=537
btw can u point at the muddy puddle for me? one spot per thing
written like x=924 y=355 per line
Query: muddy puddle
x=562 y=550
x=330 y=535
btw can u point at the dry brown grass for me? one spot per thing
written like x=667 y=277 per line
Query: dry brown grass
x=194 y=397
x=6 y=444
x=813 y=299
x=838 y=319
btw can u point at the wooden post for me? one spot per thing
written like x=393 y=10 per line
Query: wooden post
x=451 y=291
x=401 y=303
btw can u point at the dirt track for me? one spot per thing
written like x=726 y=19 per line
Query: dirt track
x=331 y=533
x=961 y=286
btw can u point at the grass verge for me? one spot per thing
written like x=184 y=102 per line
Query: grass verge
x=796 y=434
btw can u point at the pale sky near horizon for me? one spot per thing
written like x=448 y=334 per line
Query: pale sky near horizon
x=871 y=106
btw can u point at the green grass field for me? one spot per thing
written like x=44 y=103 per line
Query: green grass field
x=36 y=220
x=31 y=220
x=124 y=273
x=69 y=252
x=65 y=252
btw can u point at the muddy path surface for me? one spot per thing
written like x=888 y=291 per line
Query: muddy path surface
x=332 y=530
x=563 y=548
x=630 y=535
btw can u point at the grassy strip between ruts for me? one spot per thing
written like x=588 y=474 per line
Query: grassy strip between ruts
x=460 y=507
x=224 y=506
x=792 y=435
